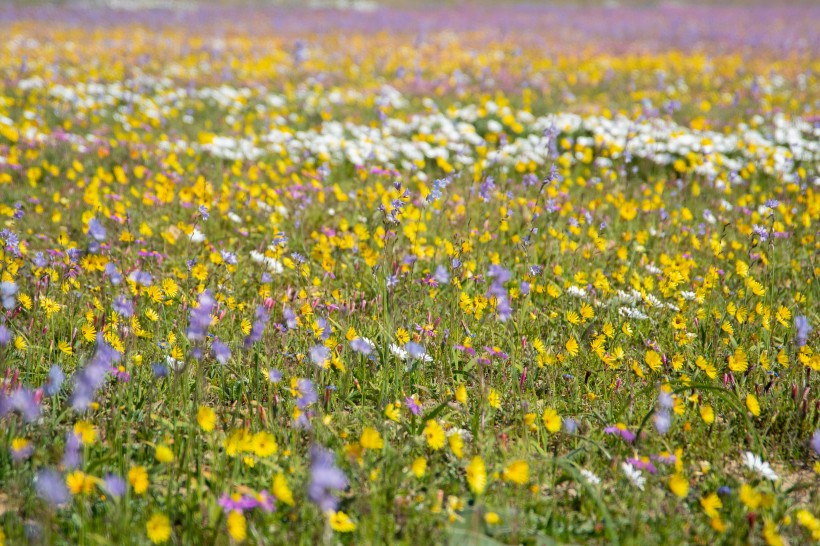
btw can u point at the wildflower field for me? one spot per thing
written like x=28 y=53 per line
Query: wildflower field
x=445 y=275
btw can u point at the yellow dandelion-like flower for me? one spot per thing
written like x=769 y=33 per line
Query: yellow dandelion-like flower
x=206 y=417
x=371 y=439
x=434 y=434
x=517 y=472
x=158 y=528
x=341 y=522
x=753 y=405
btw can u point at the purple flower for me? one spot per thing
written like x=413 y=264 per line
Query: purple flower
x=362 y=345
x=88 y=380
x=258 y=327
x=141 y=277
x=325 y=479
x=23 y=453
x=663 y=422
x=274 y=375
x=415 y=350
x=8 y=292
x=200 y=318
x=5 y=335
x=114 y=485
x=96 y=230
x=305 y=393
x=570 y=425
x=801 y=324
x=39 y=260
x=160 y=370
x=319 y=354
x=221 y=351
x=123 y=306
x=237 y=502
x=71 y=455
x=640 y=464
x=620 y=430
x=815 y=441
x=51 y=487
x=54 y=381
x=412 y=405
x=290 y=318
x=203 y=211
x=113 y=275
x=441 y=275
x=21 y=400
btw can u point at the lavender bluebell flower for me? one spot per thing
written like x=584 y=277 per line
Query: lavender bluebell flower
x=325 y=479
x=114 y=485
x=200 y=317
x=305 y=393
x=71 y=454
x=362 y=345
x=113 y=275
x=21 y=400
x=8 y=294
x=5 y=335
x=442 y=276
x=50 y=486
x=258 y=327
x=290 y=318
x=88 y=380
x=815 y=441
x=221 y=351
x=96 y=230
x=54 y=381
x=203 y=212
x=123 y=306
x=141 y=277
x=415 y=350
x=319 y=355
x=802 y=330
x=39 y=260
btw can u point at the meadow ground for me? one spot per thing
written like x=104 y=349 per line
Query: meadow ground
x=489 y=275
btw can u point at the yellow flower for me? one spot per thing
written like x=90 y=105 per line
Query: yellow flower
x=491 y=518
x=371 y=439
x=572 y=346
x=477 y=475
x=85 y=431
x=551 y=420
x=494 y=399
x=750 y=497
x=738 y=362
x=653 y=360
x=281 y=490
x=206 y=417
x=752 y=404
x=158 y=528
x=66 y=348
x=456 y=444
x=264 y=444
x=79 y=482
x=517 y=472
x=392 y=412
x=237 y=526
x=461 y=394
x=679 y=485
x=164 y=454
x=138 y=478
x=419 y=467
x=341 y=522
x=434 y=434
x=707 y=414
x=711 y=504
